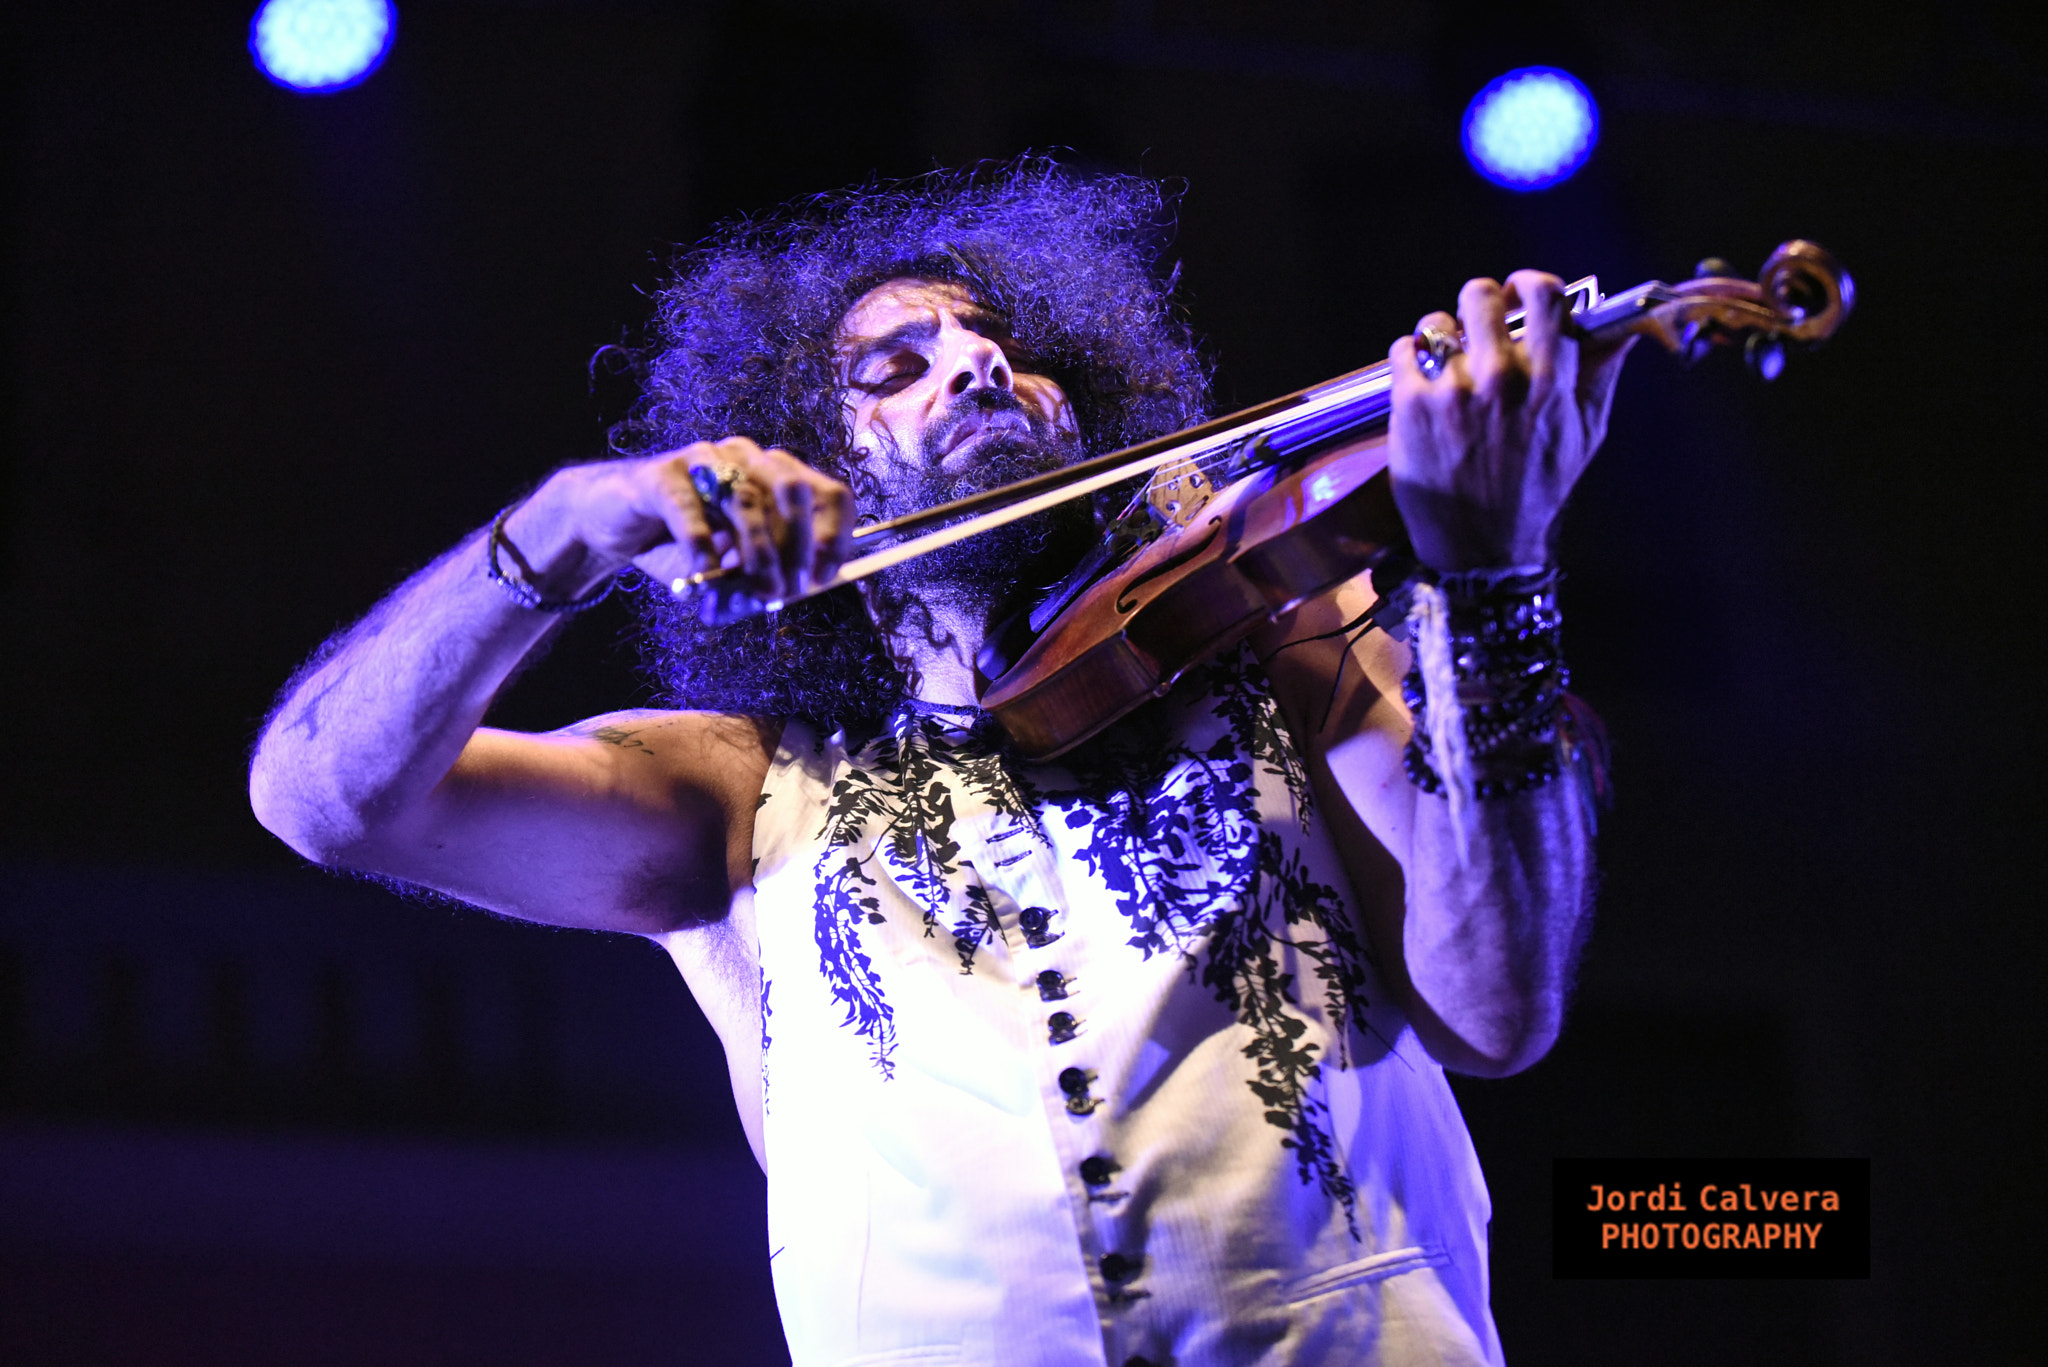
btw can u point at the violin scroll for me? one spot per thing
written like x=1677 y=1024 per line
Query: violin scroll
x=1799 y=298
x=1811 y=289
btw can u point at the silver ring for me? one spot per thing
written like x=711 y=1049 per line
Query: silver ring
x=1433 y=350
x=715 y=483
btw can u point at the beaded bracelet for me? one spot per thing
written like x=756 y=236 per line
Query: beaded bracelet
x=1486 y=723
x=521 y=589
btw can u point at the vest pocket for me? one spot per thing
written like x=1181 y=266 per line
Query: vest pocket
x=1359 y=1272
x=931 y=1355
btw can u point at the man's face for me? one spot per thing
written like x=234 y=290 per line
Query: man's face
x=938 y=408
x=934 y=396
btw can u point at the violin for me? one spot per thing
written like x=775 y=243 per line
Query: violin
x=1247 y=516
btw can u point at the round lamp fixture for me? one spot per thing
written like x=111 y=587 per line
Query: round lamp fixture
x=319 y=46
x=1531 y=128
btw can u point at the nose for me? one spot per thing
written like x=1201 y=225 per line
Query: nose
x=975 y=362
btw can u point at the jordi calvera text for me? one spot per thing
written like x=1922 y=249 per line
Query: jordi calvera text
x=1712 y=1199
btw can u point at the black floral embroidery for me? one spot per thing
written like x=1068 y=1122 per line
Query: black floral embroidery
x=1173 y=851
x=1254 y=718
x=845 y=900
x=1171 y=829
x=976 y=925
x=1177 y=838
x=895 y=802
x=767 y=1014
x=1244 y=970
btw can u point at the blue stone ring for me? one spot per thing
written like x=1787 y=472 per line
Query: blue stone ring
x=1433 y=350
x=715 y=483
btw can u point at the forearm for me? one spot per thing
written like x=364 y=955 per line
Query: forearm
x=365 y=733
x=1478 y=949
x=1489 y=941
x=1494 y=837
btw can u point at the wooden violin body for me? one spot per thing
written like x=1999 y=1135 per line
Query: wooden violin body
x=1318 y=508
x=1251 y=551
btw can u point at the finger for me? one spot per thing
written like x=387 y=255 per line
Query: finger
x=1541 y=298
x=750 y=510
x=795 y=491
x=1409 y=381
x=832 y=524
x=671 y=495
x=816 y=512
x=1444 y=388
x=1437 y=343
x=1414 y=418
x=1440 y=320
x=1483 y=311
x=793 y=501
x=758 y=528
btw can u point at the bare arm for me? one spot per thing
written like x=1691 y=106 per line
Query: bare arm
x=376 y=759
x=1481 y=949
x=1480 y=954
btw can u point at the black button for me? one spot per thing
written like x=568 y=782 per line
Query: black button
x=1036 y=922
x=1052 y=986
x=1117 y=1268
x=1097 y=1170
x=1074 y=1081
x=1059 y=1026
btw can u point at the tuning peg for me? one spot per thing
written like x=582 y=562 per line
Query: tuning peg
x=1712 y=265
x=1694 y=344
x=1765 y=354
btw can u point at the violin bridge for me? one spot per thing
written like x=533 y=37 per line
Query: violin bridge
x=1176 y=493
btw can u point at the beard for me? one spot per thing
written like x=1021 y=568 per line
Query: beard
x=989 y=572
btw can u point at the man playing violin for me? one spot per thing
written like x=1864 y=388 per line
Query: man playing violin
x=1130 y=1056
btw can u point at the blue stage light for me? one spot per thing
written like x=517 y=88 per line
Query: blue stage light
x=318 y=46
x=1531 y=128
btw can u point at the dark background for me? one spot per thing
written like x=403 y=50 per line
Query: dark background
x=265 y=353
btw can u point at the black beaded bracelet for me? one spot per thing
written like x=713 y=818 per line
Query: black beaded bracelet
x=1538 y=768
x=521 y=589
x=1508 y=670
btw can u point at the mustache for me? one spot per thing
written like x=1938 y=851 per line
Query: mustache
x=918 y=479
x=972 y=407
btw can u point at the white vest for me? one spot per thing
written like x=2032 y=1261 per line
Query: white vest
x=1079 y=1062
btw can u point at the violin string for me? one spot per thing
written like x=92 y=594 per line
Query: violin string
x=1213 y=451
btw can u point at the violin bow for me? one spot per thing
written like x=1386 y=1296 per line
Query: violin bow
x=1799 y=298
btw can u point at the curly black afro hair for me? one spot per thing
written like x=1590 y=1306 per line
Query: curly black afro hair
x=744 y=347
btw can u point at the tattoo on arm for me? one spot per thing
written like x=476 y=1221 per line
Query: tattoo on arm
x=608 y=730
x=621 y=737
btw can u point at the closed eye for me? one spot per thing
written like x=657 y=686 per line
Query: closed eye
x=891 y=374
